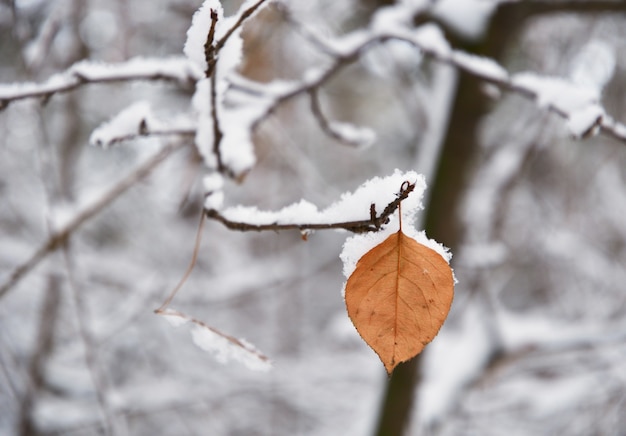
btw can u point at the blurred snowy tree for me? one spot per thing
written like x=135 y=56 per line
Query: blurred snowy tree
x=526 y=185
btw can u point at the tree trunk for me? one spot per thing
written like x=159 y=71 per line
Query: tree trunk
x=459 y=147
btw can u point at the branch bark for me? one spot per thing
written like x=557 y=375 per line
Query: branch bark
x=79 y=75
x=372 y=224
x=245 y=14
x=456 y=58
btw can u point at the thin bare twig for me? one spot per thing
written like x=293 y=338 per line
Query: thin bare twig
x=373 y=224
x=59 y=237
x=164 y=310
x=192 y=264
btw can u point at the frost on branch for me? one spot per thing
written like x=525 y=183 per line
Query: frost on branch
x=585 y=121
x=429 y=37
x=135 y=119
x=480 y=65
x=213 y=193
x=227 y=349
x=237 y=117
x=224 y=131
x=556 y=92
x=226 y=121
x=578 y=104
x=138 y=120
x=200 y=40
x=205 y=137
x=367 y=209
x=349 y=133
x=232 y=149
x=175 y=68
x=576 y=98
x=224 y=347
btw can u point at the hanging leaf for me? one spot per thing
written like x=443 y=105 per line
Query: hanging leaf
x=398 y=297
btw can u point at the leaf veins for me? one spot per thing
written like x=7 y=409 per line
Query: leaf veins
x=398 y=297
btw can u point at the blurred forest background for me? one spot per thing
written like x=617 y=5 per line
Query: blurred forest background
x=536 y=340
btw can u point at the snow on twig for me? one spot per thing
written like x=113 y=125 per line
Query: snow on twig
x=175 y=69
x=228 y=108
x=343 y=132
x=138 y=120
x=210 y=31
x=563 y=97
x=224 y=347
x=214 y=44
x=356 y=212
x=200 y=44
x=343 y=51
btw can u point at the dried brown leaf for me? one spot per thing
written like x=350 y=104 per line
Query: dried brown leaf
x=398 y=297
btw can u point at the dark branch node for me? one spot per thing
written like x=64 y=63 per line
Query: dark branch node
x=143 y=127
x=45 y=98
x=82 y=79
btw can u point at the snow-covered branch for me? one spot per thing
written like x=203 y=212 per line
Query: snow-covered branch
x=225 y=347
x=579 y=106
x=305 y=216
x=137 y=121
x=343 y=132
x=214 y=44
x=175 y=69
x=229 y=108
